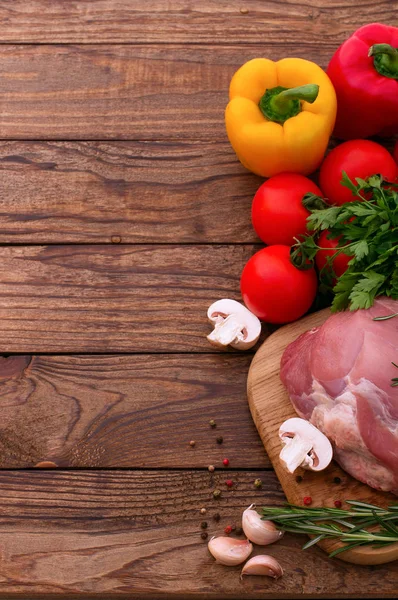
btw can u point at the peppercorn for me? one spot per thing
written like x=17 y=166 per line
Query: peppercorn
x=307 y=500
x=258 y=483
x=228 y=529
x=192 y=443
x=229 y=483
x=338 y=503
x=204 y=535
x=299 y=479
x=337 y=480
x=216 y=517
x=220 y=440
x=233 y=527
x=212 y=423
x=211 y=468
x=239 y=531
x=203 y=524
x=225 y=462
x=217 y=493
x=203 y=511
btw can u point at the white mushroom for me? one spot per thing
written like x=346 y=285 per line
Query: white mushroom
x=305 y=446
x=234 y=325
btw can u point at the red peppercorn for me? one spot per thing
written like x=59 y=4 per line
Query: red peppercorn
x=228 y=529
x=225 y=462
x=307 y=500
x=338 y=503
x=229 y=483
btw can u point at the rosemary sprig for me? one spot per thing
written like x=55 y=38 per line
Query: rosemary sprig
x=386 y=317
x=349 y=526
x=394 y=380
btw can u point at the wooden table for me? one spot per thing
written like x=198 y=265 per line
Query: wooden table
x=124 y=214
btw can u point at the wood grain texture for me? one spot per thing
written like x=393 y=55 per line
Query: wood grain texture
x=124 y=92
x=131 y=21
x=270 y=406
x=126 y=411
x=104 y=192
x=60 y=299
x=137 y=534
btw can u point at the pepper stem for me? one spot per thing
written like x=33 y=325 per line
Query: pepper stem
x=385 y=59
x=279 y=104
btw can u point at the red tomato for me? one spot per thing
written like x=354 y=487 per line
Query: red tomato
x=340 y=263
x=358 y=158
x=277 y=213
x=274 y=289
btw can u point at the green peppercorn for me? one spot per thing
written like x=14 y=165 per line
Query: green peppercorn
x=258 y=483
x=217 y=494
x=212 y=423
x=203 y=525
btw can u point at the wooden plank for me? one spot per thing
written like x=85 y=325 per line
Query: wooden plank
x=123 y=533
x=127 y=411
x=124 y=92
x=131 y=21
x=103 y=192
x=128 y=192
x=74 y=299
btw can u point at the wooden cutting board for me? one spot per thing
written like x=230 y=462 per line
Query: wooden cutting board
x=270 y=407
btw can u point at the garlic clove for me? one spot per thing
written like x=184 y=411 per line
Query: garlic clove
x=257 y=530
x=263 y=565
x=228 y=551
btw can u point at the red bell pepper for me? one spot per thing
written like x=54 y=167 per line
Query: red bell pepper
x=364 y=72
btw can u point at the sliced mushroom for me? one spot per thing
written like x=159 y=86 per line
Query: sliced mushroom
x=234 y=325
x=305 y=446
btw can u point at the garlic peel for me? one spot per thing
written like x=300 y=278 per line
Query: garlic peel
x=257 y=530
x=229 y=551
x=263 y=565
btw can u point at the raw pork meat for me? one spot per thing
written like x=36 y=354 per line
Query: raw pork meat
x=338 y=376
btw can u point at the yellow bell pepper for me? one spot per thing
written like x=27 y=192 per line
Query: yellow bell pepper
x=280 y=115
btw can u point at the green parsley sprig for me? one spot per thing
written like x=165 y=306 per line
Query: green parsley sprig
x=367 y=230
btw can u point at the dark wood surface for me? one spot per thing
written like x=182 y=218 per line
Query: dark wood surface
x=115 y=298
x=106 y=533
x=123 y=214
x=124 y=192
x=186 y=21
x=124 y=411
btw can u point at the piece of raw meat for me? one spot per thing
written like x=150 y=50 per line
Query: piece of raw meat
x=338 y=376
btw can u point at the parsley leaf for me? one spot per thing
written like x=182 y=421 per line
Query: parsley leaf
x=367 y=229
